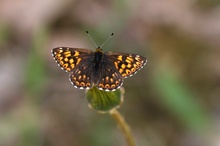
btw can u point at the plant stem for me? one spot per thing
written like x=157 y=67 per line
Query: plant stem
x=123 y=126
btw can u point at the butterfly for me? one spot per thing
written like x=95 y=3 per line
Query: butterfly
x=105 y=70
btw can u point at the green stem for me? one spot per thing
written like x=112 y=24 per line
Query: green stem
x=123 y=126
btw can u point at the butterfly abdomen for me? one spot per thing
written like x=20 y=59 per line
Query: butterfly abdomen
x=97 y=59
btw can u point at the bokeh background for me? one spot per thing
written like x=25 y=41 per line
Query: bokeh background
x=173 y=101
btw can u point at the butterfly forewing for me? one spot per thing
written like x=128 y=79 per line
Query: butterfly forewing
x=69 y=58
x=126 y=64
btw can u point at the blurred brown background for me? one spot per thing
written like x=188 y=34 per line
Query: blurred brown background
x=173 y=101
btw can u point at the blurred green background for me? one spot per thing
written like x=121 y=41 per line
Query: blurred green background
x=173 y=101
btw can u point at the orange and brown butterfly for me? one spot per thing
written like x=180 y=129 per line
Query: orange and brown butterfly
x=105 y=70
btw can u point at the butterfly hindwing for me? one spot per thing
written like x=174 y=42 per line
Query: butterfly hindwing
x=126 y=64
x=69 y=58
x=109 y=78
x=82 y=76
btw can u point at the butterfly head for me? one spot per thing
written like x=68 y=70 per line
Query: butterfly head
x=98 y=50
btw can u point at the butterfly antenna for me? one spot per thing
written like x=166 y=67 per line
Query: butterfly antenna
x=91 y=38
x=107 y=40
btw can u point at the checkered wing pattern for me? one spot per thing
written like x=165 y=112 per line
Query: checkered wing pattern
x=126 y=64
x=109 y=78
x=75 y=60
x=69 y=58
x=82 y=77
